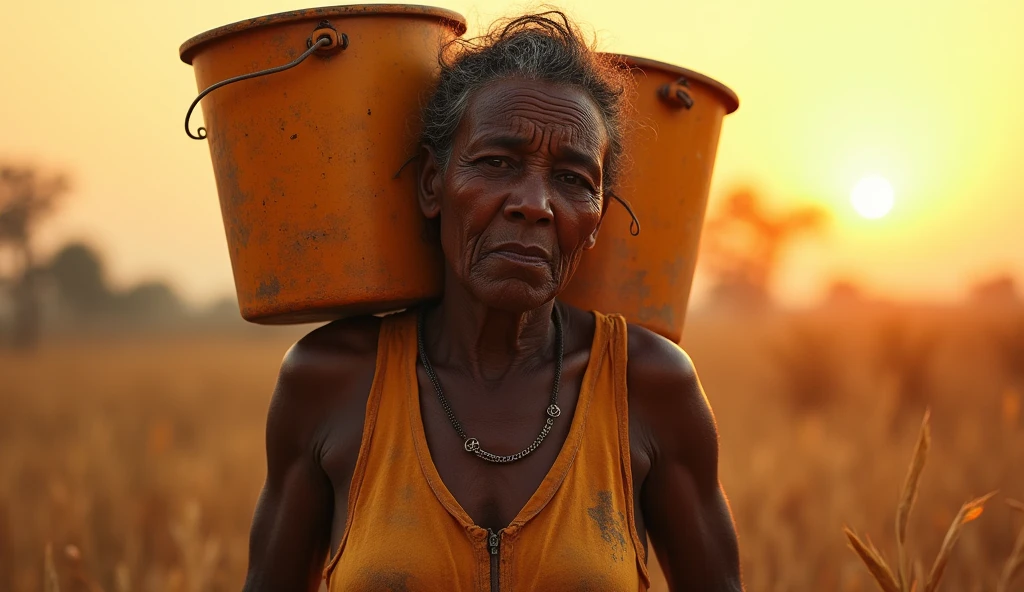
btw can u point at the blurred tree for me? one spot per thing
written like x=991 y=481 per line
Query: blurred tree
x=223 y=308
x=223 y=311
x=26 y=197
x=843 y=293
x=151 y=302
x=997 y=292
x=78 y=274
x=744 y=245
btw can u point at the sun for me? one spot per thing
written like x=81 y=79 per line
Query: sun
x=872 y=197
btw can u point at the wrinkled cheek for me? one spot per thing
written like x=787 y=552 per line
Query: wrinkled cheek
x=568 y=267
x=459 y=245
x=578 y=230
x=574 y=252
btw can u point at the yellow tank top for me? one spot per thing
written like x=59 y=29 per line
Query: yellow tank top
x=406 y=532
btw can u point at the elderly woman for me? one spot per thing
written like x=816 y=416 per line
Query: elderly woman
x=498 y=439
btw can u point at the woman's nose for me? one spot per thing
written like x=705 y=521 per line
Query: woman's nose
x=530 y=201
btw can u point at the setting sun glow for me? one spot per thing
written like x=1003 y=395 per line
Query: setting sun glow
x=872 y=197
x=822 y=106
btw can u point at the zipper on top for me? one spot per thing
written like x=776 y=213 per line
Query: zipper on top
x=494 y=546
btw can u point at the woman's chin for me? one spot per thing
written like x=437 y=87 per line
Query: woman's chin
x=513 y=294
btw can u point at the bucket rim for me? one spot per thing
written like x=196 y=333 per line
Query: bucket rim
x=731 y=99
x=451 y=18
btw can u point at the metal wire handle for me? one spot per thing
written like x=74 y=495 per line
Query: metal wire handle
x=634 y=225
x=324 y=40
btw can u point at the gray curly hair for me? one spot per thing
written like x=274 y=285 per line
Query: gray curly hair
x=545 y=46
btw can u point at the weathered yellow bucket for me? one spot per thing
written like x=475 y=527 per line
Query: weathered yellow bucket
x=671 y=154
x=319 y=223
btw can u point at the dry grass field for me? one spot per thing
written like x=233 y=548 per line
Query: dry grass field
x=137 y=461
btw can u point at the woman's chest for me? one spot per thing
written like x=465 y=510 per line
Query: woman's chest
x=417 y=550
x=493 y=493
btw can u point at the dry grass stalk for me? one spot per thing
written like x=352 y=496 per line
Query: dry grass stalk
x=904 y=580
x=874 y=562
x=1016 y=560
x=968 y=512
x=123 y=577
x=907 y=499
x=51 y=583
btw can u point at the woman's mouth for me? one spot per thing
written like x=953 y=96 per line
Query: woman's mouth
x=523 y=254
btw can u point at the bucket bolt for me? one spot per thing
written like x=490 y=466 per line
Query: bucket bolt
x=674 y=93
x=335 y=40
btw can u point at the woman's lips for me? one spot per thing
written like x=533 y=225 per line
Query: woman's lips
x=520 y=258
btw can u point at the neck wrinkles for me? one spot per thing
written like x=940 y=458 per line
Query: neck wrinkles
x=487 y=343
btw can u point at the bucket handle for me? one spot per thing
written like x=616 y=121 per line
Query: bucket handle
x=328 y=40
x=634 y=225
x=674 y=93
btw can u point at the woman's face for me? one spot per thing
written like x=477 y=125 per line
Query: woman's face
x=521 y=198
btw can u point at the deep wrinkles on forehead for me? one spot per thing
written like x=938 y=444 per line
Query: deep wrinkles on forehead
x=544 y=119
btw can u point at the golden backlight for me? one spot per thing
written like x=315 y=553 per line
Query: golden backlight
x=829 y=91
x=872 y=197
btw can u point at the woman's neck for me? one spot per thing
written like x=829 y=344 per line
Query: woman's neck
x=485 y=341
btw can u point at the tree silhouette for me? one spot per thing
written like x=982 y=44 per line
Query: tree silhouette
x=26 y=197
x=844 y=293
x=744 y=245
x=998 y=292
x=77 y=273
x=151 y=302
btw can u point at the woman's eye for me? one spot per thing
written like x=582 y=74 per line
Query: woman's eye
x=574 y=179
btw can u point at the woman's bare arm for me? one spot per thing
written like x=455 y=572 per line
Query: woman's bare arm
x=685 y=510
x=291 y=527
x=314 y=427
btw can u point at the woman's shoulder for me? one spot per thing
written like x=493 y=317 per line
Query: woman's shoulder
x=331 y=348
x=329 y=369
x=320 y=397
x=665 y=395
x=656 y=360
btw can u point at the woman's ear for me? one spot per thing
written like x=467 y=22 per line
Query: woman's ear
x=429 y=183
x=592 y=239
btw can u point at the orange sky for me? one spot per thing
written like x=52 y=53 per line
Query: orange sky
x=926 y=94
